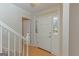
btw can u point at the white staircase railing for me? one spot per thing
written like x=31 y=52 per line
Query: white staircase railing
x=18 y=48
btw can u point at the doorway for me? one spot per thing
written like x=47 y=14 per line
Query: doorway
x=25 y=26
x=25 y=33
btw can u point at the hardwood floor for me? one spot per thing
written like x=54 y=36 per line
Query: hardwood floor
x=35 y=51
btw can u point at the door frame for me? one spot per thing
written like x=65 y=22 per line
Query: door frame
x=65 y=36
x=25 y=18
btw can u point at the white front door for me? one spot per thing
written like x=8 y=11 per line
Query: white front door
x=45 y=35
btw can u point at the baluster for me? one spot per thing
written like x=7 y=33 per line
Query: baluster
x=23 y=48
x=8 y=43
x=27 y=37
x=14 y=45
x=27 y=42
x=1 y=39
x=27 y=49
x=19 y=47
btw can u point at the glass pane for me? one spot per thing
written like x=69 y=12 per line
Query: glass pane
x=55 y=25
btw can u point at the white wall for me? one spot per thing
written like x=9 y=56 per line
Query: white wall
x=74 y=30
x=33 y=34
x=12 y=16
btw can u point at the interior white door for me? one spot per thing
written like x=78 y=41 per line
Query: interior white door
x=44 y=32
x=45 y=35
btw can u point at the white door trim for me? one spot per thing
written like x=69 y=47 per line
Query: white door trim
x=65 y=40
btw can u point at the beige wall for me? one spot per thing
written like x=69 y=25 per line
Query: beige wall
x=74 y=30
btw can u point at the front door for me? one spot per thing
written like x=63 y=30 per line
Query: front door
x=45 y=34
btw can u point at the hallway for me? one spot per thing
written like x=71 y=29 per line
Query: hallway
x=44 y=29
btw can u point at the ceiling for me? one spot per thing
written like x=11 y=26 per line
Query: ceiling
x=36 y=7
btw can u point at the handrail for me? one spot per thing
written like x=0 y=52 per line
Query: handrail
x=3 y=25
x=10 y=29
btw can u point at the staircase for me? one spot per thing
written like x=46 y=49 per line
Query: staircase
x=11 y=42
